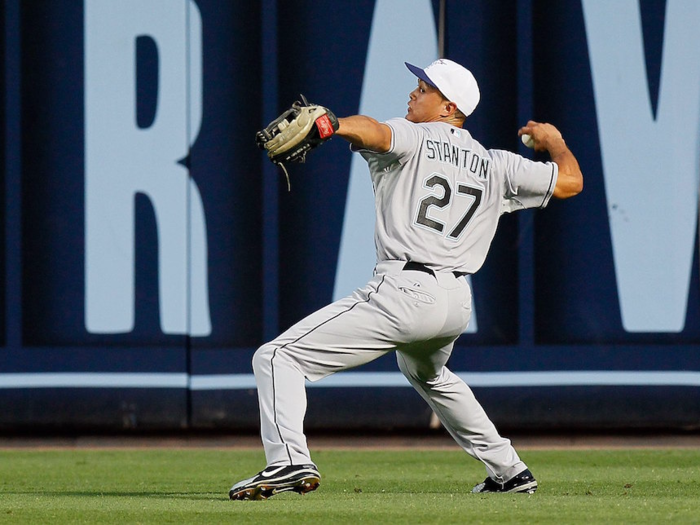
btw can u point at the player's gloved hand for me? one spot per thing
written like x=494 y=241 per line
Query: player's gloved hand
x=297 y=131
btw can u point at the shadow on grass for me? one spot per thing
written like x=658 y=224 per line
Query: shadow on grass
x=118 y=494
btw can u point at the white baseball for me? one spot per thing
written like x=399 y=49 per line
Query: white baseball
x=527 y=140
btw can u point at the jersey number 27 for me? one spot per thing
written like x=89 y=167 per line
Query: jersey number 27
x=432 y=200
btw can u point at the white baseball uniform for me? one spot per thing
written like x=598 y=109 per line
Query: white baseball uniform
x=438 y=195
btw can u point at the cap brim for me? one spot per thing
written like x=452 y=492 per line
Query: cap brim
x=420 y=73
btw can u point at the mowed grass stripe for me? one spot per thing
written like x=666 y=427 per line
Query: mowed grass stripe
x=364 y=486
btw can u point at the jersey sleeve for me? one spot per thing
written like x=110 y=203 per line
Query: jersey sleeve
x=405 y=137
x=526 y=184
x=404 y=142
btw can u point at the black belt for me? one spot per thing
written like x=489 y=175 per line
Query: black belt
x=418 y=267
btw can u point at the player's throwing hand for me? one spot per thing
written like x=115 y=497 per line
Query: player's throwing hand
x=545 y=137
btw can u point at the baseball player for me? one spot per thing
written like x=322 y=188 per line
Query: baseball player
x=439 y=195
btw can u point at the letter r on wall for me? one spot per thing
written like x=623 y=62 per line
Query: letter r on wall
x=122 y=160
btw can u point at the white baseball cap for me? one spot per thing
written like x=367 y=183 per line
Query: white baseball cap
x=454 y=81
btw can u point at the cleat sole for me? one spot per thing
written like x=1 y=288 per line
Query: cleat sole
x=262 y=492
x=528 y=488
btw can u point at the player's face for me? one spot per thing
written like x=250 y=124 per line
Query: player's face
x=426 y=103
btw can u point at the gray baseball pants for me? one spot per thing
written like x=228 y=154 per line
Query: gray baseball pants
x=416 y=314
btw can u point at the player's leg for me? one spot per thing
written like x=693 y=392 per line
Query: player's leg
x=345 y=334
x=459 y=411
x=424 y=365
x=335 y=338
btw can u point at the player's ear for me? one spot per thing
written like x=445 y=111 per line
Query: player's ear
x=449 y=109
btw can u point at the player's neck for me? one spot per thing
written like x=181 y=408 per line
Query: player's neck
x=452 y=120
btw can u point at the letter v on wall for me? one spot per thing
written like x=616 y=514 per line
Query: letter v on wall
x=650 y=166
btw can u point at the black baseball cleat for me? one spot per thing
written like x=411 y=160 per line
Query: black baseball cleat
x=523 y=482
x=273 y=480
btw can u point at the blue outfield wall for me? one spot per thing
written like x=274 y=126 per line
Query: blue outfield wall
x=149 y=247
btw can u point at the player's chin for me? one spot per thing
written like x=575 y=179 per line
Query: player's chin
x=409 y=117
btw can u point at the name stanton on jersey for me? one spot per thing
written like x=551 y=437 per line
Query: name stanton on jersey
x=448 y=153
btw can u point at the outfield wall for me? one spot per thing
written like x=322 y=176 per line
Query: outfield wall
x=149 y=248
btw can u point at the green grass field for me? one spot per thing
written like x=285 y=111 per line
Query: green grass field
x=367 y=486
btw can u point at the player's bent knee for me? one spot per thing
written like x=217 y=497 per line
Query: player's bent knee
x=416 y=377
x=414 y=374
x=262 y=358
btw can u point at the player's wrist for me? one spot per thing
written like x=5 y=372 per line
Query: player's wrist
x=556 y=146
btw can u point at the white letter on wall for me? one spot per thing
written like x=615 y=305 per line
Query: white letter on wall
x=410 y=27
x=651 y=166
x=122 y=160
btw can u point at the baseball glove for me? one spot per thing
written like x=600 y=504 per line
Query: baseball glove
x=295 y=132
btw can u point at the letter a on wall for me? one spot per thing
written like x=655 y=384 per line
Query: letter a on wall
x=409 y=27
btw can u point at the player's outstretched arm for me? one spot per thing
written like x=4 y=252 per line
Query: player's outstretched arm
x=365 y=133
x=548 y=138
